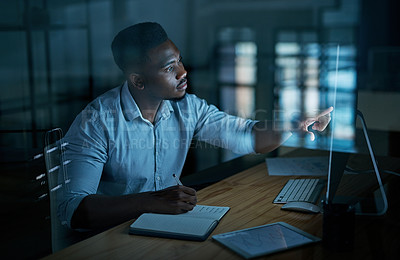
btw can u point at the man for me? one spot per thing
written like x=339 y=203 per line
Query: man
x=125 y=146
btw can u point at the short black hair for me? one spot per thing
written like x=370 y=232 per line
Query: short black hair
x=130 y=46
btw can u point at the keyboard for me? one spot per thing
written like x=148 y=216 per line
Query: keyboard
x=307 y=190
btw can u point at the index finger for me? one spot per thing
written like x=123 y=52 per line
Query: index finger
x=325 y=112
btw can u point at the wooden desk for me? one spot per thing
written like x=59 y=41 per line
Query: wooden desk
x=249 y=194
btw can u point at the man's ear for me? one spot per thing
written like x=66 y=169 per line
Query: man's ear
x=136 y=81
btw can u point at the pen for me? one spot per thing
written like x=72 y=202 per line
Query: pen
x=178 y=182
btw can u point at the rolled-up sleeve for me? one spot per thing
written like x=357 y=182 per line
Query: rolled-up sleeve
x=86 y=152
x=221 y=129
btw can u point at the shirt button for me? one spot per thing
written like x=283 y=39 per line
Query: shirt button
x=158 y=178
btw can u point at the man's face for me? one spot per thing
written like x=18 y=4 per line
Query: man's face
x=164 y=74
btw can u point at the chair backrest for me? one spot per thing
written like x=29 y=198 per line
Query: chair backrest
x=57 y=178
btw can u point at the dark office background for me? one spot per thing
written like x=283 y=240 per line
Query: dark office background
x=247 y=57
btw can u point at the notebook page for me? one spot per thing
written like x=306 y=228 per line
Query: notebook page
x=202 y=211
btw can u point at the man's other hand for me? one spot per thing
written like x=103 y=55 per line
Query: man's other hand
x=173 y=200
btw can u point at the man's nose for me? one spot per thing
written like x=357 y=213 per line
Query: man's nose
x=182 y=73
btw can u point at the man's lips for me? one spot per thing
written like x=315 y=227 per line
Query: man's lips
x=182 y=85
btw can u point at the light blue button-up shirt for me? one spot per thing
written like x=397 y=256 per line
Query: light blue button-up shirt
x=113 y=150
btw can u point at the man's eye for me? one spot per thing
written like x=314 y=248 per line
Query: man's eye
x=169 y=69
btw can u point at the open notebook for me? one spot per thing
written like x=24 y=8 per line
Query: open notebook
x=193 y=225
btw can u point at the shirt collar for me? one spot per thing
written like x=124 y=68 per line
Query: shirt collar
x=131 y=110
x=164 y=111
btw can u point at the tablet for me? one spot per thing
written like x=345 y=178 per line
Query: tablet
x=264 y=240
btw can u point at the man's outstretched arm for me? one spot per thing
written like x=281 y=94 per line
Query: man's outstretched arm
x=100 y=211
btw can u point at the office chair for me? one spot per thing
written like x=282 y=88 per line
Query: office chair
x=57 y=178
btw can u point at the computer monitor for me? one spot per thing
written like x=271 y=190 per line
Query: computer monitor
x=354 y=178
x=353 y=175
x=337 y=78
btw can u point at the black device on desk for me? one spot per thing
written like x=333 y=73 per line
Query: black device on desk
x=350 y=194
